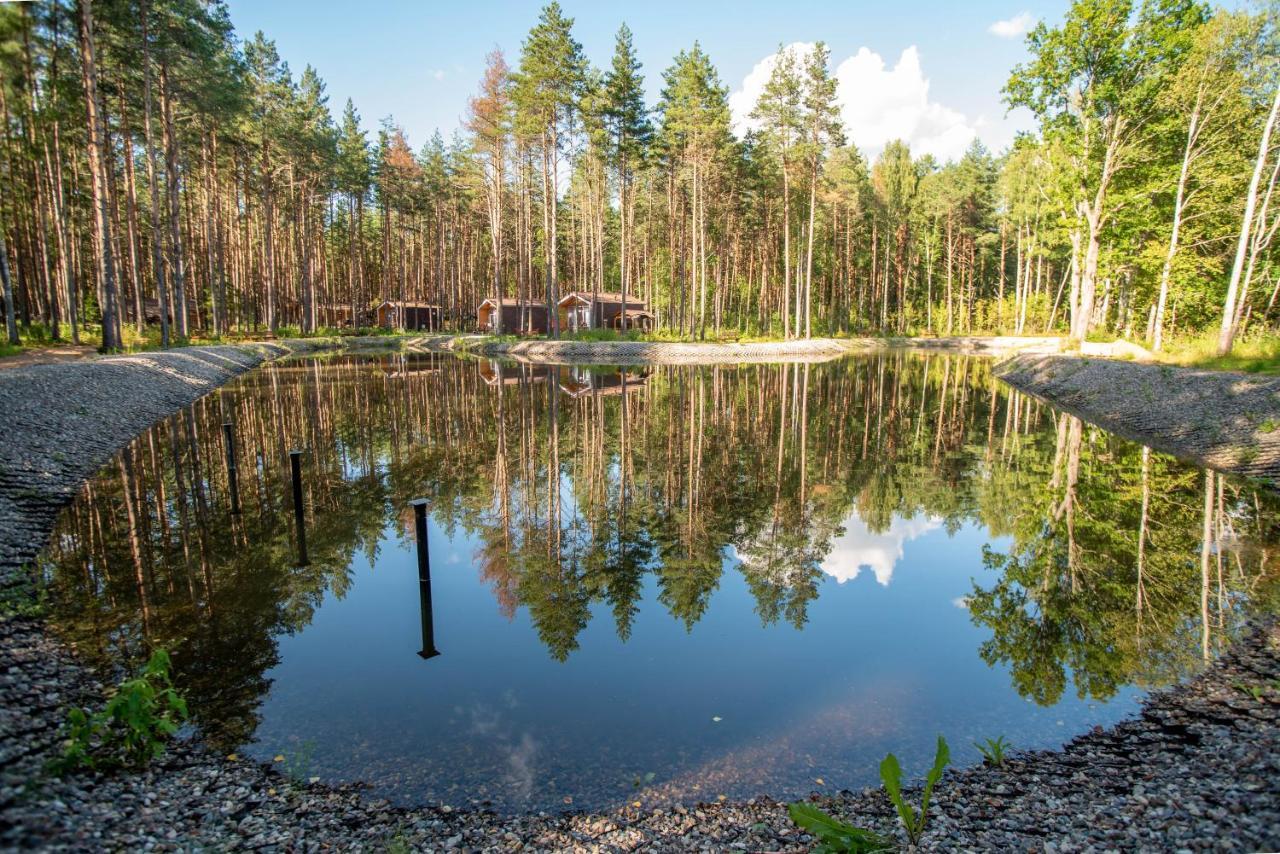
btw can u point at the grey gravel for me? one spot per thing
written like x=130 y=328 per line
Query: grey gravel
x=1198 y=770
x=1219 y=419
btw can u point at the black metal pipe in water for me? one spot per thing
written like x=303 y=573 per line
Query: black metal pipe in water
x=233 y=483
x=428 y=650
x=295 y=466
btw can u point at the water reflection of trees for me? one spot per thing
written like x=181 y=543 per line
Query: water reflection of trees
x=1123 y=565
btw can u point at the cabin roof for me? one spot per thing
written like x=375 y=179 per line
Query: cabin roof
x=602 y=296
x=407 y=304
x=505 y=301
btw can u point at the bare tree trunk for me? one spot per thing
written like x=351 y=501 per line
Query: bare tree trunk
x=171 y=184
x=1226 y=332
x=98 y=180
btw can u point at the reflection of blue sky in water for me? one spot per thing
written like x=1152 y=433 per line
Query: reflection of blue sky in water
x=878 y=667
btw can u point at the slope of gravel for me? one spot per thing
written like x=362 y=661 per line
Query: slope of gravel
x=1223 y=420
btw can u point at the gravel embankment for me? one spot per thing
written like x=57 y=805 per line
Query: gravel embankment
x=1222 y=420
x=1200 y=768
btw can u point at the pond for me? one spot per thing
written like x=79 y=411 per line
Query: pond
x=649 y=584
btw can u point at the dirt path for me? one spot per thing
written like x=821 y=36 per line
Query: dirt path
x=47 y=355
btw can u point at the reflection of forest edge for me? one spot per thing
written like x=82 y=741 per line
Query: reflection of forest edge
x=1125 y=566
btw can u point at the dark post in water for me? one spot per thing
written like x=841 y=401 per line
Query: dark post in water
x=295 y=466
x=428 y=650
x=233 y=487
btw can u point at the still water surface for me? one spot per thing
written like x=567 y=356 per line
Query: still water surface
x=651 y=584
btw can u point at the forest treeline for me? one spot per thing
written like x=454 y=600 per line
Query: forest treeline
x=161 y=171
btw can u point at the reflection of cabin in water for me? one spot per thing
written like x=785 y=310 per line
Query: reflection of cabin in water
x=518 y=317
x=581 y=382
x=407 y=315
x=406 y=364
x=495 y=373
x=585 y=310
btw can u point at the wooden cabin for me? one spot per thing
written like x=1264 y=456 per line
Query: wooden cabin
x=603 y=310
x=421 y=316
x=534 y=315
x=334 y=315
x=151 y=312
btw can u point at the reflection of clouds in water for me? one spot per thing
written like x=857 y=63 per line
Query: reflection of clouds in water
x=859 y=547
x=520 y=764
x=518 y=755
x=484 y=720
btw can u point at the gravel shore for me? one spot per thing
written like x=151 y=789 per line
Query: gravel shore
x=1222 y=420
x=1198 y=770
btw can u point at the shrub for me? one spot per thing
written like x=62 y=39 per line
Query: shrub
x=132 y=728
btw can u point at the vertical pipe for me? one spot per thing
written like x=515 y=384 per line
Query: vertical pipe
x=295 y=466
x=428 y=650
x=233 y=486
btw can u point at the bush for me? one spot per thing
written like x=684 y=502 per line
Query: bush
x=132 y=728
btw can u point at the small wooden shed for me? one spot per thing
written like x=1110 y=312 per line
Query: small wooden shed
x=334 y=315
x=518 y=317
x=408 y=315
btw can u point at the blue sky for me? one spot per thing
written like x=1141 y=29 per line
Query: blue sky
x=928 y=71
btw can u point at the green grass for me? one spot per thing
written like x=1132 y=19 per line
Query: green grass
x=1254 y=355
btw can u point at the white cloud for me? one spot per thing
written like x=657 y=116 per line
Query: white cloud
x=438 y=74
x=859 y=547
x=877 y=104
x=1013 y=27
x=743 y=101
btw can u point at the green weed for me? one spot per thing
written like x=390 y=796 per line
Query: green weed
x=891 y=773
x=834 y=836
x=993 y=750
x=139 y=717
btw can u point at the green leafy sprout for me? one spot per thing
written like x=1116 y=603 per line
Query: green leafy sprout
x=993 y=750
x=141 y=715
x=836 y=837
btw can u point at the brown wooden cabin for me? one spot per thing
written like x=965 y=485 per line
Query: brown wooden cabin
x=407 y=315
x=585 y=310
x=534 y=314
x=580 y=382
x=334 y=315
x=151 y=312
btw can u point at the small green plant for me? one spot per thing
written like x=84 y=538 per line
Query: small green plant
x=891 y=773
x=1255 y=691
x=834 y=836
x=993 y=750
x=139 y=717
x=297 y=764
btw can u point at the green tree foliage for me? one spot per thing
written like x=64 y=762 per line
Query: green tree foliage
x=235 y=203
